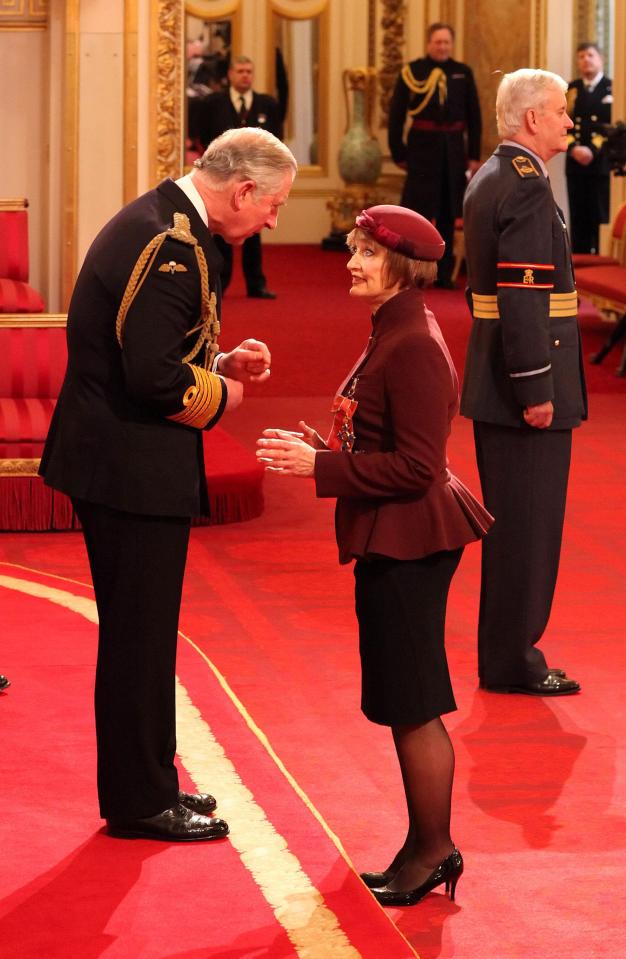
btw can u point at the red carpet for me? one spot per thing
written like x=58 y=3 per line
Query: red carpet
x=539 y=799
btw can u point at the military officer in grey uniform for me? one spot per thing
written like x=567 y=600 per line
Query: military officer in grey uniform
x=524 y=385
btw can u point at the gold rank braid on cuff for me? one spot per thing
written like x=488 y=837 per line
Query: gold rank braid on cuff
x=202 y=401
x=209 y=327
x=436 y=80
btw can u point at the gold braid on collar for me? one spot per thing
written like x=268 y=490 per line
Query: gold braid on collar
x=436 y=80
x=208 y=328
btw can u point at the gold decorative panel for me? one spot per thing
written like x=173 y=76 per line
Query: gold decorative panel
x=392 y=52
x=23 y=14
x=166 y=89
x=499 y=38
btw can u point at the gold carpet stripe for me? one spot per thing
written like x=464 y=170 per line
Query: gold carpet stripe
x=311 y=926
x=261 y=736
x=77 y=604
x=299 y=907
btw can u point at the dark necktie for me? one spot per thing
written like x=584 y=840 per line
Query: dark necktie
x=243 y=116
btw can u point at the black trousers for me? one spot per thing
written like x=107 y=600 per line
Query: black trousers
x=251 y=262
x=524 y=474
x=137 y=566
x=589 y=207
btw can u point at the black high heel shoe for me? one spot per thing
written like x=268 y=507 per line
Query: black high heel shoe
x=448 y=871
x=377 y=879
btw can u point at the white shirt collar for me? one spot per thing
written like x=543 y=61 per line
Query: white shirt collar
x=189 y=188
x=235 y=98
x=520 y=146
x=592 y=84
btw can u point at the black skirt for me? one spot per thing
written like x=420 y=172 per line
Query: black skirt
x=401 y=609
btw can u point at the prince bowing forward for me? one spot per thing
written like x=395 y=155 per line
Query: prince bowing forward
x=144 y=379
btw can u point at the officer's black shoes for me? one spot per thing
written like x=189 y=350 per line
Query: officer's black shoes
x=556 y=683
x=177 y=824
x=198 y=802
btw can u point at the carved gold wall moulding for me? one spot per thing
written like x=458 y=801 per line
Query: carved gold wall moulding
x=166 y=134
x=392 y=52
x=23 y=14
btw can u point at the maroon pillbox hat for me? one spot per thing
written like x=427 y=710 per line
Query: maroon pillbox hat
x=402 y=230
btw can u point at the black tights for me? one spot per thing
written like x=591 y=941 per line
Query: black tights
x=426 y=758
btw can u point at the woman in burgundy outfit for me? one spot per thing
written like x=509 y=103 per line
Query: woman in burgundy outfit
x=404 y=519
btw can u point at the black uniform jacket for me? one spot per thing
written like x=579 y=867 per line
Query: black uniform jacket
x=524 y=346
x=396 y=496
x=447 y=121
x=219 y=115
x=110 y=441
x=589 y=111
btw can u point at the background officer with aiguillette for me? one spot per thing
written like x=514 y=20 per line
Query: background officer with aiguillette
x=439 y=95
x=523 y=384
x=587 y=167
x=143 y=381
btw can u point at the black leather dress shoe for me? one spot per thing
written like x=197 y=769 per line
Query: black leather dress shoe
x=4 y=682
x=177 y=824
x=449 y=871
x=201 y=803
x=263 y=294
x=553 y=685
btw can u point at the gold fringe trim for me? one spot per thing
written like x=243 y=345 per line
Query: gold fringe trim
x=200 y=402
x=436 y=80
x=19 y=467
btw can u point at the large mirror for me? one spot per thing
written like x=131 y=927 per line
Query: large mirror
x=297 y=43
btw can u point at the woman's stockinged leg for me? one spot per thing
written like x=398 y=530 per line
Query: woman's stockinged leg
x=426 y=758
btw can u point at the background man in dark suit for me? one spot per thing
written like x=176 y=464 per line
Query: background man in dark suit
x=524 y=386
x=439 y=95
x=588 y=173
x=143 y=380
x=241 y=106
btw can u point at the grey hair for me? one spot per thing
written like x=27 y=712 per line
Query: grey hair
x=247 y=153
x=521 y=91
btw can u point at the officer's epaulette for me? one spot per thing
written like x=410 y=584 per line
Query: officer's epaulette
x=524 y=167
x=181 y=230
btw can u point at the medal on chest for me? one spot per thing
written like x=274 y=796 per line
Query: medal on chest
x=342 y=432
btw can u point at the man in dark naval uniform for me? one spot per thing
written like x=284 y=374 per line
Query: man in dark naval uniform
x=587 y=167
x=241 y=106
x=144 y=379
x=439 y=96
x=524 y=386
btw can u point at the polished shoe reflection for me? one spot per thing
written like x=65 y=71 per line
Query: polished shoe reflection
x=176 y=824
x=556 y=683
x=201 y=803
x=4 y=682
x=448 y=871
x=376 y=879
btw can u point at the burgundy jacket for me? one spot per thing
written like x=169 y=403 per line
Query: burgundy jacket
x=395 y=495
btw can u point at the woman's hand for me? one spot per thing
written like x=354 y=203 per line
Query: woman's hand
x=285 y=451
x=311 y=436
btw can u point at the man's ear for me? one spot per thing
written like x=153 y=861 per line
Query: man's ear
x=531 y=119
x=244 y=191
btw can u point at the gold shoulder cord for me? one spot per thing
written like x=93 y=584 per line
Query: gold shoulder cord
x=436 y=80
x=208 y=328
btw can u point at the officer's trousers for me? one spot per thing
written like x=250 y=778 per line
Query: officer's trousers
x=137 y=566
x=524 y=474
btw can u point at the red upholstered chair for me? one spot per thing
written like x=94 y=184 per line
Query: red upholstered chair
x=34 y=355
x=16 y=296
